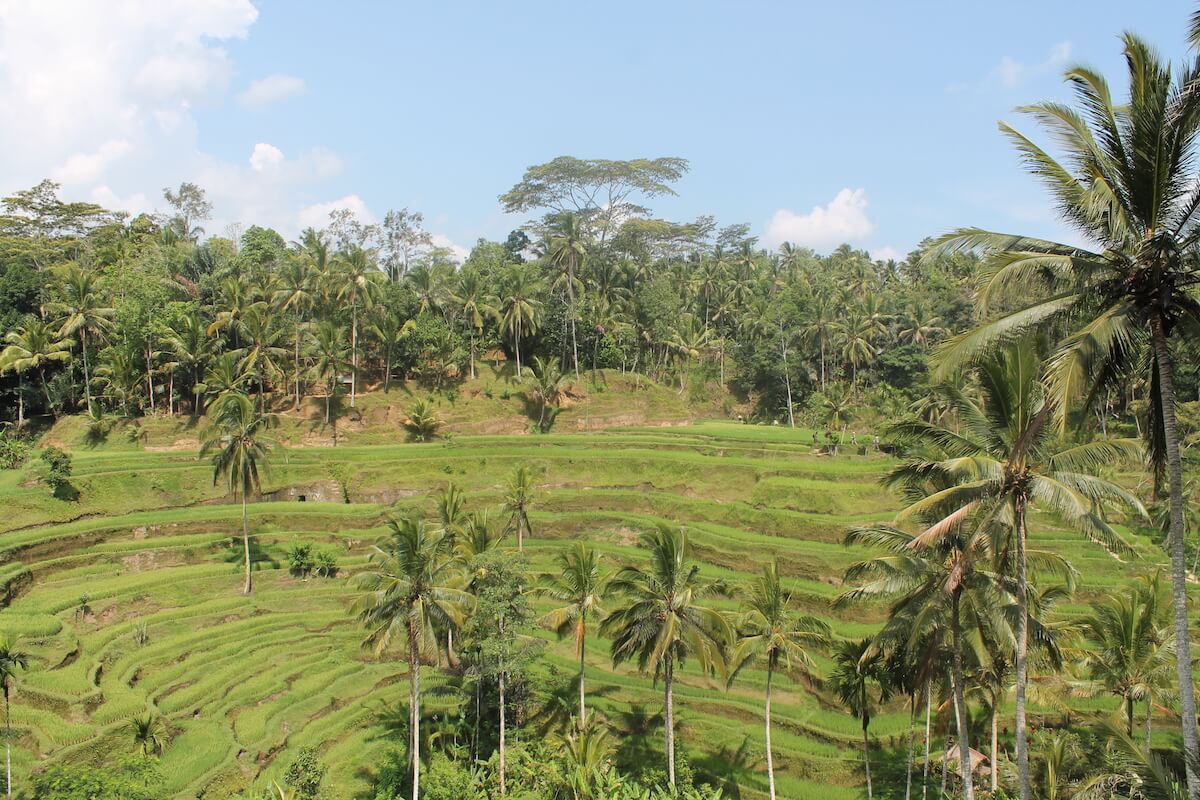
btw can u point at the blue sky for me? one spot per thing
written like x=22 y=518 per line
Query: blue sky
x=873 y=122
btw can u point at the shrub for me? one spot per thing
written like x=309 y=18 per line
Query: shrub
x=13 y=452
x=300 y=559
x=128 y=779
x=422 y=422
x=325 y=562
x=305 y=773
x=58 y=466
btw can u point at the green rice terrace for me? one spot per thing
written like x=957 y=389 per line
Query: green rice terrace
x=128 y=600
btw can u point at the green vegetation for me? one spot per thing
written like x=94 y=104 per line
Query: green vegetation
x=555 y=522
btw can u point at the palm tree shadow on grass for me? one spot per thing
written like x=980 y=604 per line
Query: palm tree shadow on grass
x=531 y=407
x=231 y=553
x=725 y=768
x=338 y=405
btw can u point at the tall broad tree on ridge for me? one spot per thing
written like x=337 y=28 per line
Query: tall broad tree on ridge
x=1127 y=183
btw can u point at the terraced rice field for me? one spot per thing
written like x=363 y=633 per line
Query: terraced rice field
x=243 y=682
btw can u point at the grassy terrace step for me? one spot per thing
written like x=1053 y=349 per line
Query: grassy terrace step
x=244 y=681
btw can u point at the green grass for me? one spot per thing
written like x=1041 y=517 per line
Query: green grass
x=244 y=681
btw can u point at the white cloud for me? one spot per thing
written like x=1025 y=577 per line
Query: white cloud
x=85 y=167
x=317 y=214
x=1011 y=73
x=271 y=89
x=844 y=219
x=886 y=253
x=265 y=156
x=442 y=240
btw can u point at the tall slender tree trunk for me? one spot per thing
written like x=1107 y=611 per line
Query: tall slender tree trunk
x=246 y=544
x=912 y=743
x=472 y=353
x=995 y=771
x=582 y=675
x=1022 y=648
x=574 y=342
x=150 y=373
x=87 y=376
x=1179 y=598
x=960 y=706
x=414 y=709
x=297 y=405
x=1129 y=715
x=353 y=354
x=928 y=740
x=787 y=377
x=867 y=757
x=20 y=402
x=767 y=730
x=669 y=717
x=7 y=742
x=1149 y=721
x=503 y=727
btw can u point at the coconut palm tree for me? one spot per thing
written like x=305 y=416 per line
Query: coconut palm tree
x=663 y=619
x=1006 y=458
x=474 y=305
x=566 y=251
x=389 y=329
x=1127 y=650
x=190 y=350
x=519 y=495
x=235 y=440
x=519 y=306
x=147 y=734
x=32 y=346
x=11 y=660
x=411 y=592
x=80 y=311
x=296 y=295
x=330 y=356
x=856 y=666
x=546 y=385
x=581 y=585
x=358 y=286
x=261 y=355
x=770 y=630
x=1126 y=184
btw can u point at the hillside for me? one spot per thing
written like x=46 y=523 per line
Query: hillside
x=129 y=599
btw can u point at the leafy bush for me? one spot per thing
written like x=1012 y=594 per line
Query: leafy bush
x=58 y=466
x=325 y=563
x=305 y=773
x=300 y=559
x=128 y=779
x=422 y=422
x=13 y=452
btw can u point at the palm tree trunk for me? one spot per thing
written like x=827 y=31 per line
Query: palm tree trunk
x=767 y=731
x=867 y=756
x=7 y=742
x=574 y=343
x=246 y=544
x=150 y=373
x=669 y=717
x=414 y=710
x=1149 y=721
x=995 y=771
x=87 y=378
x=1022 y=648
x=297 y=366
x=502 y=731
x=1179 y=599
x=353 y=354
x=472 y=353
x=20 y=402
x=912 y=742
x=787 y=378
x=46 y=392
x=960 y=706
x=582 y=674
x=928 y=741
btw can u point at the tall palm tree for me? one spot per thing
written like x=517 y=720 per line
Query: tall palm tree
x=189 y=349
x=389 y=329
x=11 y=660
x=566 y=251
x=663 y=619
x=1126 y=184
x=80 y=310
x=856 y=666
x=581 y=584
x=769 y=629
x=240 y=451
x=1127 y=650
x=359 y=288
x=546 y=384
x=296 y=296
x=519 y=495
x=261 y=354
x=474 y=305
x=330 y=357
x=32 y=346
x=411 y=591
x=519 y=306
x=1004 y=459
